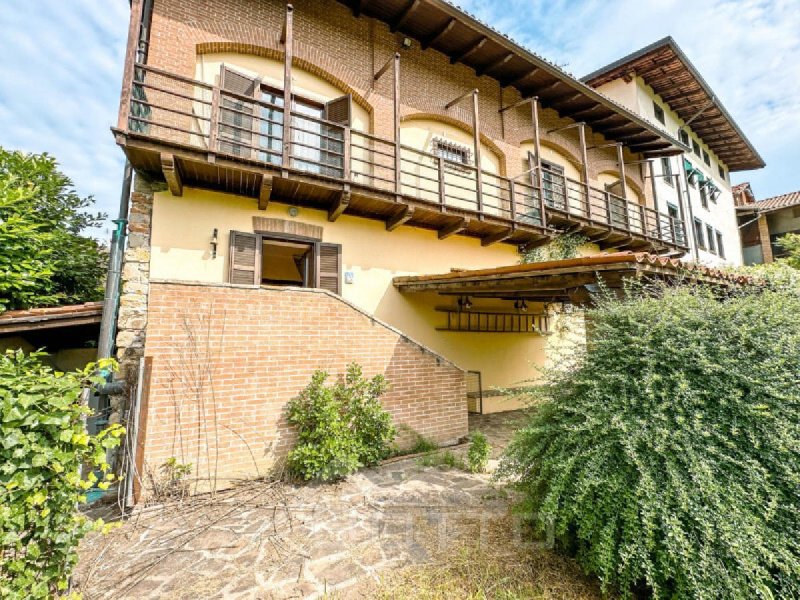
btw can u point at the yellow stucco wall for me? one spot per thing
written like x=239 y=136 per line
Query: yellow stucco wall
x=373 y=255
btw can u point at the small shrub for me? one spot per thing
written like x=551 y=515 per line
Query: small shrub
x=422 y=445
x=44 y=448
x=668 y=454
x=479 y=452
x=340 y=428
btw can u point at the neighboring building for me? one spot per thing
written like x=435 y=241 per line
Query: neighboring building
x=762 y=223
x=66 y=334
x=660 y=84
x=264 y=245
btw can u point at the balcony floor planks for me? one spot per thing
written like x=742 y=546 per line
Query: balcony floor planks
x=320 y=192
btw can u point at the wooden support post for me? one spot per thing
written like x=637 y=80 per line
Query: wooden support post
x=538 y=157
x=264 y=192
x=172 y=174
x=454 y=228
x=134 y=26
x=476 y=141
x=584 y=162
x=287 y=87
x=399 y=218
x=340 y=204
x=397 y=158
x=654 y=189
x=621 y=163
x=497 y=237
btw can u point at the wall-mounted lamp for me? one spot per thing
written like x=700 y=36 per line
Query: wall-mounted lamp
x=214 y=243
x=521 y=305
x=407 y=42
x=464 y=303
x=293 y=211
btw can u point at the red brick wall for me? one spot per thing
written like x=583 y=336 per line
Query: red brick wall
x=226 y=359
x=351 y=50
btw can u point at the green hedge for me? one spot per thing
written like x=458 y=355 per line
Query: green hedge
x=668 y=457
x=44 y=448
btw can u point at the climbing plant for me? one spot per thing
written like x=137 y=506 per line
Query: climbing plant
x=560 y=247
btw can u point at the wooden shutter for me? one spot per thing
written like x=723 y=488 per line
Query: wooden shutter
x=235 y=115
x=338 y=110
x=244 y=262
x=329 y=267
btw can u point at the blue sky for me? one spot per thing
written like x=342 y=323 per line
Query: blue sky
x=60 y=82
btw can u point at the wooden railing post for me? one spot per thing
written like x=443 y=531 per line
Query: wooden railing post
x=287 y=87
x=346 y=151
x=442 y=194
x=213 y=123
x=398 y=188
x=513 y=199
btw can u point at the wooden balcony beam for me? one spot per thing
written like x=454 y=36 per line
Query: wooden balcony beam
x=494 y=238
x=452 y=229
x=340 y=205
x=400 y=218
x=264 y=192
x=172 y=174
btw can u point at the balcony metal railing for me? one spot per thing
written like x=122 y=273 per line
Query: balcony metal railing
x=191 y=113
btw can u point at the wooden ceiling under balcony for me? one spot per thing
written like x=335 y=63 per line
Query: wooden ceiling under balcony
x=438 y=25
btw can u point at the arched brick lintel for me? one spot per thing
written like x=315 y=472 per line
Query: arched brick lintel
x=310 y=62
x=486 y=141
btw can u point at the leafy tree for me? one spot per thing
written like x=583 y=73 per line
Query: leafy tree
x=668 y=455
x=44 y=259
x=791 y=244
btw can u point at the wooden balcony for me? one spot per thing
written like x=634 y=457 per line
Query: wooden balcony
x=199 y=135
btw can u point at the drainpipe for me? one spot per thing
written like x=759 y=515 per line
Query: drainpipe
x=108 y=325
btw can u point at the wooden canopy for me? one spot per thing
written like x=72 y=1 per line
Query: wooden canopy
x=439 y=25
x=570 y=280
x=24 y=321
x=666 y=69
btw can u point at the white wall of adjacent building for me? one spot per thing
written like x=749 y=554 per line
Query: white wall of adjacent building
x=718 y=217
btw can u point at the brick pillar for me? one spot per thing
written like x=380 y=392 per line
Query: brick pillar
x=763 y=235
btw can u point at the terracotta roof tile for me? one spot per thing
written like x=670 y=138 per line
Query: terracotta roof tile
x=779 y=202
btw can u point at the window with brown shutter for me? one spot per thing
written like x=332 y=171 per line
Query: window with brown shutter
x=236 y=114
x=338 y=110
x=329 y=267
x=244 y=262
x=275 y=259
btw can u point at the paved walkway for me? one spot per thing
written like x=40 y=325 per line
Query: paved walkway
x=273 y=540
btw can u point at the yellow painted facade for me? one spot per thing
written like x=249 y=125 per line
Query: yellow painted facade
x=373 y=255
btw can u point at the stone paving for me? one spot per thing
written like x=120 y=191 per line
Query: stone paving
x=274 y=540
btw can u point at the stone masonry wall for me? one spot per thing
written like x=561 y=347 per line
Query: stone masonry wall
x=226 y=359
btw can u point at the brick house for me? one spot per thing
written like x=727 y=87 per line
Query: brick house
x=763 y=222
x=264 y=243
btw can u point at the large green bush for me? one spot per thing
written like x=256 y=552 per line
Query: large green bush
x=340 y=428
x=668 y=456
x=44 y=449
